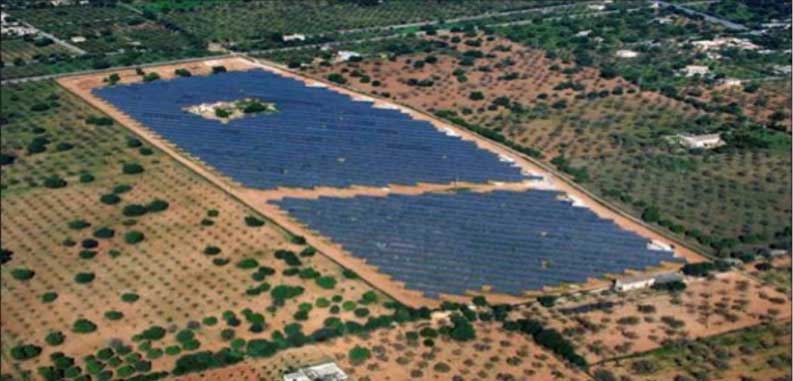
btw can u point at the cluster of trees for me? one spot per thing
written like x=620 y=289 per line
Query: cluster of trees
x=580 y=174
x=548 y=338
x=488 y=133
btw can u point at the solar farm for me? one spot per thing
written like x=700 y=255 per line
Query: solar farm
x=397 y=196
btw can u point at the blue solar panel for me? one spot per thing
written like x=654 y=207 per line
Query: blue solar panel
x=450 y=243
x=318 y=138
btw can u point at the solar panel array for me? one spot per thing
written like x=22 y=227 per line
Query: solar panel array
x=318 y=138
x=450 y=243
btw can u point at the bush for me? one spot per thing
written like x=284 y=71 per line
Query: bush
x=78 y=224
x=247 y=263
x=25 y=352
x=86 y=178
x=337 y=78
x=298 y=240
x=131 y=168
x=49 y=297
x=218 y=69
x=83 y=278
x=182 y=72
x=89 y=243
x=476 y=96
x=149 y=77
x=54 y=182
x=701 y=269
x=326 y=282
x=212 y=250
x=110 y=199
x=22 y=273
x=157 y=205
x=153 y=333
x=55 y=338
x=129 y=297
x=253 y=221
x=133 y=237
x=359 y=355
x=104 y=232
x=547 y=300
x=114 y=315
x=83 y=326
x=99 y=120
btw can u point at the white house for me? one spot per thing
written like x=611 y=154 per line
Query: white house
x=724 y=42
x=644 y=281
x=706 y=141
x=323 y=372
x=293 y=37
x=78 y=39
x=625 y=53
x=345 y=55
x=692 y=70
x=596 y=7
x=731 y=82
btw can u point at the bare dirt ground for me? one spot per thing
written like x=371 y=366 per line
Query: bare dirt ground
x=82 y=86
x=494 y=354
x=644 y=320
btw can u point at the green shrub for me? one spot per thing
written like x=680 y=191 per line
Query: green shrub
x=145 y=151
x=87 y=254
x=182 y=72
x=129 y=297
x=157 y=205
x=131 y=168
x=99 y=120
x=104 y=232
x=122 y=188
x=55 y=338
x=326 y=282
x=54 y=182
x=114 y=315
x=133 y=237
x=337 y=78
x=218 y=69
x=149 y=77
x=134 y=210
x=212 y=250
x=86 y=178
x=359 y=355
x=153 y=333
x=349 y=274
x=78 y=224
x=298 y=240
x=110 y=199
x=308 y=252
x=83 y=326
x=22 y=273
x=25 y=352
x=49 y=297
x=83 y=278
x=247 y=263
x=253 y=221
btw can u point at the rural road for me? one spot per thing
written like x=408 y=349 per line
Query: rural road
x=717 y=20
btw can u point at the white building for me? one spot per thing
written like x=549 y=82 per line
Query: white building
x=724 y=42
x=78 y=39
x=294 y=37
x=644 y=281
x=345 y=55
x=625 y=53
x=731 y=82
x=596 y=7
x=692 y=70
x=323 y=372
x=706 y=141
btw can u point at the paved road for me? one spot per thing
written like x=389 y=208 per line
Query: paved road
x=56 y=39
x=717 y=20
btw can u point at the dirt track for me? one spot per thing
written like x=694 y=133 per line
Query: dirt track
x=256 y=199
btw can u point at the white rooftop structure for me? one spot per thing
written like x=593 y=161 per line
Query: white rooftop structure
x=644 y=281
x=596 y=7
x=78 y=39
x=724 y=42
x=625 y=53
x=692 y=70
x=345 y=55
x=731 y=82
x=294 y=37
x=706 y=141
x=323 y=372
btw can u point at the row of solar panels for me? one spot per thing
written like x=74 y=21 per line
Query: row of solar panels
x=317 y=138
x=453 y=242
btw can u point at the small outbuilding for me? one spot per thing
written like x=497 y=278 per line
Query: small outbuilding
x=645 y=281
x=323 y=372
x=692 y=70
x=293 y=37
x=706 y=141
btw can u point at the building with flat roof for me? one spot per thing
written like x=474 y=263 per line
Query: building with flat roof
x=644 y=281
x=706 y=141
x=328 y=371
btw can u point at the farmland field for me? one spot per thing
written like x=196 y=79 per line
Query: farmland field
x=195 y=259
x=605 y=133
